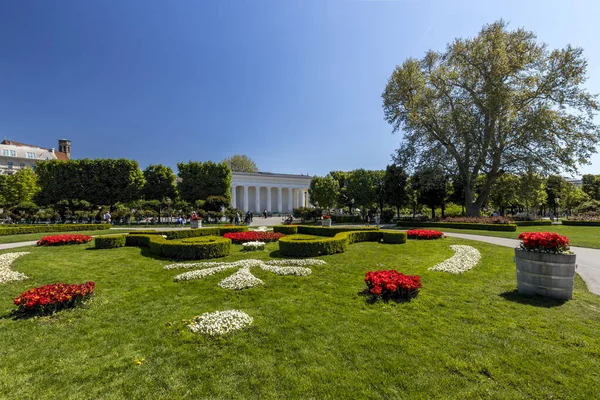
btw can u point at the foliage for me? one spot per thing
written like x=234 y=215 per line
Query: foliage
x=499 y=102
x=241 y=163
x=197 y=248
x=392 y=285
x=286 y=229
x=531 y=191
x=505 y=192
x=394 y=187
x=572 y=197
x=307 y=213
x=544 y=242
x=590 y=184
x=60 y=240
x=430 y=187
x=98 y=181
x=48 y=299
x=199 y=180
x=215 y=203
x=362 y=187
x=459 y=225
x=19 y=230
x=20 y=187
x=479 y=220
x=424 y=234
x=159 y=183
x=324 y=192
x=109 y=242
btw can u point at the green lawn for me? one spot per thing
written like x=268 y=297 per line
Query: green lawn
x=582 y=236
x=37 y=236
x=464 y=336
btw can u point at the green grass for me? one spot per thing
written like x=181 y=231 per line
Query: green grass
x=582 y=236
x=464 y=336
x=37 y=236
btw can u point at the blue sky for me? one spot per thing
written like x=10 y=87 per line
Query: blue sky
x=295 y=85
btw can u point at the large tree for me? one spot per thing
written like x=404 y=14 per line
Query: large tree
x=394 y=187
x=324 y=191
x=241 y=163
x=430 y=185
x=202 y=179
x=499 y=102
x=160 y=183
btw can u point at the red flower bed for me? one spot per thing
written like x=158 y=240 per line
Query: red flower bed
x=392 y=285
x=59 y=240
x=424 y=234
x=243 y=237
x=545 y=242
x=50 y=298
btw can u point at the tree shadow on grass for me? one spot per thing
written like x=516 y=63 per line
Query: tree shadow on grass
x=532 y=300
x=371 y=299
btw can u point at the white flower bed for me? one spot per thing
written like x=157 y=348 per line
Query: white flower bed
x=253 y=246
x=243 y=279
x=7 y=274
x=221 y=322
x=465 y=258
x=260 y=229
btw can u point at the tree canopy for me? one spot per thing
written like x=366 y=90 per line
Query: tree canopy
x=499 y=102
x=160 y=183
x=241 y=163
x=324 y=191
x=199 y=180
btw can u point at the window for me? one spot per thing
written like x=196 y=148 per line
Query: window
x=13 y=153
x=10 y=165
x=22 y=165
x=30 y=154
x=5 y=152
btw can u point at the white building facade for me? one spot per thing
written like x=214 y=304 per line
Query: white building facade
x=276 y=193
x=15 y=155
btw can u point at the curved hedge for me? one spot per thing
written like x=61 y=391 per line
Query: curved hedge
x=109 y=242
x=194 y=248
x=20 y=230
x=286 y=229
x=580 y=223
x=300 y=246
x=459 y=225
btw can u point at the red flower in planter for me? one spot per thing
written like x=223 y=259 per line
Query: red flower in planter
x=50 y=298
x=424 y=234
x=251 y=236
x=59 y=240
x=326 y=216
x=545 y=242
x=392 y=284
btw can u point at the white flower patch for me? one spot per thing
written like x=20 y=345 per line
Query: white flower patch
x=221 y=322
x=261 y=229
x=7 y=274
x=253 y=246
x=242 y=279
x=465 y=258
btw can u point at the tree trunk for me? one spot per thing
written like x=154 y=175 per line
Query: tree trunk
x=473 y=209
x=432 y=213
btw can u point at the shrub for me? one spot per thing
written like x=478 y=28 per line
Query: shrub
x=544 y=242
x=332 y=231
x=580 y=223
x=286 y=229
x=523 y=217
x=110 y=242
x=51 y=298
x=137 y=240
x=215 y=231
x=387 y=215
x=343 y=219
x=60 y=240
x=392 y=285
x=424 y=234
x=190 y=249
x=253 y=236
x=393 y=237
x=458 y=225
x=533 y=223
x=20 y=230
x=479 y=220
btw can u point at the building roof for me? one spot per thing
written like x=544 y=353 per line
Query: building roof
x=59 y=154
x=267 y=174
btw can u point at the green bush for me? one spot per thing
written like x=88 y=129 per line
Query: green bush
x=387 y=215
x=137 y=240
x=459 y=225
x=302 y=246
x=109 y=242
x=332 y=231
x=21 y=230
x=344 y=219
x=213 y=231
x=190 y=249
x=580 y=223
x=533 y=223
x=286 y=229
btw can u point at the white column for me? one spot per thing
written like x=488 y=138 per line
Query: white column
x=290 y=200
x=257 y=200
x=268 y=198
x=279 y=200
x=300 y=198
x=245 y=209
x=233 y=199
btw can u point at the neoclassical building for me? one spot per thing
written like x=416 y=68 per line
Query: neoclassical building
x=16 y=155
x=277 y=193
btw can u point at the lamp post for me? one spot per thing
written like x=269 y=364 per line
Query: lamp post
x=352 y=209
x=169 y=209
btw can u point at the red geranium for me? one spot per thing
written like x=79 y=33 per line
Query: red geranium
x=50 y=298
x=545 y=242
x=59 y=240
x=326 y=216
x=424 y=234
x=252 y=236
x=392 y=284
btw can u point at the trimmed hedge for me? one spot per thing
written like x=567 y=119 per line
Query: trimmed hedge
x=194 y=248
x=299 y=246
x=286 y=229
x=580 y=223
x=109 y=242
x=215 y=231
x=21 y=230
x=460 y=225
x=345 y=219
x=332 y=231
x=533 y=223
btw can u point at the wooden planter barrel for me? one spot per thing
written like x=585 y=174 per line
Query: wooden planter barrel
x=546 y=274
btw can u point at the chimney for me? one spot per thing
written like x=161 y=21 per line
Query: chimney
x=51 y=150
